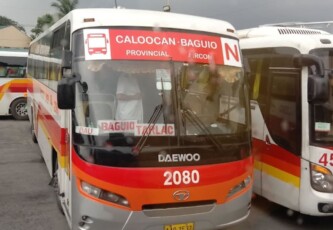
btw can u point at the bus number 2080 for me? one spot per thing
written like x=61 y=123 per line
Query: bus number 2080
x=181 y=177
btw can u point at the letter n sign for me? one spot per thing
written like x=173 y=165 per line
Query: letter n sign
x=231 y=52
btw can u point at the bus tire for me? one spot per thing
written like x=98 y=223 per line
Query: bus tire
x=33 y=136
x=32 y=128
x=56 y=186
x=19 y=110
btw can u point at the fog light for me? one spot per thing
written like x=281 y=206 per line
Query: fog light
x=325 y=207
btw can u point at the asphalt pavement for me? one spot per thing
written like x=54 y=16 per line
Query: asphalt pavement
x=27 y=202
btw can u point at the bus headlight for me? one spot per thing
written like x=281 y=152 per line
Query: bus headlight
x=104 y=195
x=321 y=178
x=239 y=187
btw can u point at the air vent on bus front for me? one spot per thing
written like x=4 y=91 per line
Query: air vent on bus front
x=298 y=31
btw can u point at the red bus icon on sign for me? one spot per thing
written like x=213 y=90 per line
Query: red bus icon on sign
x=97 y=43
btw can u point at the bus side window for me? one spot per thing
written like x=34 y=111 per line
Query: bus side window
x=284 y=108
x=3 y=71
x=259 y=81
x=15 y=72
x=255 y=78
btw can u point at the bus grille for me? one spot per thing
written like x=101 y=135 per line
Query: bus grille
x=174 y=209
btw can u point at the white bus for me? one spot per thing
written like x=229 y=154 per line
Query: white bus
x=143 y=119
x=292 y=123
x=13 y=83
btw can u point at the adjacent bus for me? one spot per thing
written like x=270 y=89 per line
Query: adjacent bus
x=13 y=83
x=143 y=119
x=291 y=83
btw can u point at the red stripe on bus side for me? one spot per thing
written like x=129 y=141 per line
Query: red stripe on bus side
x=277 y=157
x=56 y=134
x=18 y=88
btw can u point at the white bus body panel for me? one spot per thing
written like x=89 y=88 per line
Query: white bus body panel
x=303 y=199
x=142 y=18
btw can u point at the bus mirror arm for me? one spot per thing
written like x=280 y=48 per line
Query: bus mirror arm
x=66 y=59
x=247 y=68
x=301 y=60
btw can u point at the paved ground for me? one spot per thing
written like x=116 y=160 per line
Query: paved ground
x=26 y=200
x=28 y=203
x=269 y=216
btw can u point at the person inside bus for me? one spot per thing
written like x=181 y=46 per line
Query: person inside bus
x=98 y=98
x=11 y=72
x=129 y=99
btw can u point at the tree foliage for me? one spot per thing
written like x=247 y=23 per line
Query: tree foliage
x=62 y=6
x=43 y=22
x=8 y=22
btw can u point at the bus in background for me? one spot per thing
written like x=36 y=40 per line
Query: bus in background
x=13 y=83
x=292 y=122
x=152 y=133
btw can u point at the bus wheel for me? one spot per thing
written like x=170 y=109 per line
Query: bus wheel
x=55 y=184
x=33 y=134
x=300 y=219
x=18 y=109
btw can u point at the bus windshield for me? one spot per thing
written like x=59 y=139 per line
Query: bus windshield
x=130 y=112
x=322 y=113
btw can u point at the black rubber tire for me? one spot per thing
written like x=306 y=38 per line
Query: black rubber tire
x=33 y=134
x=19 y=110
x=56 y=186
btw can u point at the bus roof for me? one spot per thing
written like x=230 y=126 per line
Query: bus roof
x=13 y=52
x=102 y=17
x=320 y=25
x=263 y=31
x=302 y=39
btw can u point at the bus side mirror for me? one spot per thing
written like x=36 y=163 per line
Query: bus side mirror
x=66 y=93
x=318 y=89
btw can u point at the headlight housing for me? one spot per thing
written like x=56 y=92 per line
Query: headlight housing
x=104 y=195
x=242 y=185
x=321 y=178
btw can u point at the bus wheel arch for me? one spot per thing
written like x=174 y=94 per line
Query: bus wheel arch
x=18 y=108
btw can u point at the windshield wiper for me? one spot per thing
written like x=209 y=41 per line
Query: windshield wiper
x=229 y=110
x=151 y=123
x=194 y=119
